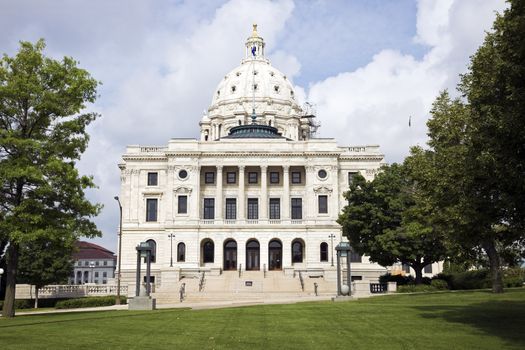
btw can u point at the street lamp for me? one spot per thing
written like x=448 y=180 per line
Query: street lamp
x=1 y=273
x=92 y=266
x=332 y=236
x=117 y=301
x=343 y=251
x=171 y=236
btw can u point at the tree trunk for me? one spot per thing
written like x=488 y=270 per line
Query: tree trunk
x=12 y=264
x=36 y=297
x=418 y=268
x=495 y=269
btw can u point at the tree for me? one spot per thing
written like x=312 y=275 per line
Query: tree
x=44 y=262
x=390 y=221
x=42 y=135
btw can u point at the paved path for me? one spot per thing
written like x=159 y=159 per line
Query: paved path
x=194 y=306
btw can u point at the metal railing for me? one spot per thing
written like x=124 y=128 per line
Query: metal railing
x=240 y=270
x=264 y=270
x=182 y=292
x=201 y=282
x=378 y=288
x=315 y=289
x=301 y=280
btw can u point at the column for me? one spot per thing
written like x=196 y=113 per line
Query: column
x=241 y=205
x=264 y=193
x=218 y=196
x=195 y=196
x=286 y=193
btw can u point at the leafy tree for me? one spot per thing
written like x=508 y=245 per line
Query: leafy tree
x=390 y=221
x=42 y=135
x=44 y=262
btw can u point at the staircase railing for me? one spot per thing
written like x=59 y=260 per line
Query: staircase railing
x=264 y=270
x=301 y=280
x=240 y=270
x=201 y=282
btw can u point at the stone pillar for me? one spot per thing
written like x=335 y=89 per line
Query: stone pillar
x=195 y=201
x=241 y=205
x=286 y=193
x=264 y=193
x=218 y=196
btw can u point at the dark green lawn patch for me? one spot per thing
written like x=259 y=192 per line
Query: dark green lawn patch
x=446 y=320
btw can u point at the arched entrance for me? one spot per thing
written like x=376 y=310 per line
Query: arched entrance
x=230 y=255
x=275 y=255
x=252 y=255
x=207 y=251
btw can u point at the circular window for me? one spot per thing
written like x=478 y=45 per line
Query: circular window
x=183 y=174
x=322 y=174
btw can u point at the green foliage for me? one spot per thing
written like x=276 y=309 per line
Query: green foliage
x=389 y=220
x=417 y=288
x=43 y=134
x=439 y=284
x=514 y=277
x=88 y=302
x=399 y=279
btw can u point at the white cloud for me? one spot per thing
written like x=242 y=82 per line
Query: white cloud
x=372 y=104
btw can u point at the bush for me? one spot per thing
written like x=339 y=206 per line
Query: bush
x=413 y=288
x=439 y=284
x=30 y=303
x=88 y=302
x=514 y=277
x=399 y=279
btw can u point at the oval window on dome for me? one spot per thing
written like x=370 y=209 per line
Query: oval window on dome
x=255 y=72
x=238 y=73
x=183 y=174
x=322 y=174
x=234 y=88
x=272 y=74
x=276 y=89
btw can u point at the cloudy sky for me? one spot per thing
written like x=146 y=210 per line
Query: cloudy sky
x=367 y=65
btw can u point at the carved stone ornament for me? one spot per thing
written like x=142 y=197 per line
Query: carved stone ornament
x=323 y=190
x=182 y=190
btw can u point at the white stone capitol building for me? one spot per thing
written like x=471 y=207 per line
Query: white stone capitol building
x=257 y=192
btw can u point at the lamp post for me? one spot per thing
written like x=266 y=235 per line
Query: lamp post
x=171 y=236
x=117 y=300
x=332 y=236
x=92 y=266
x=343 y=251
x=1 y=273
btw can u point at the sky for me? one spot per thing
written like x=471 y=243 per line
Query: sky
x=366 y=65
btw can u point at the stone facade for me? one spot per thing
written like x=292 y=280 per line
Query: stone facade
x=255 y=202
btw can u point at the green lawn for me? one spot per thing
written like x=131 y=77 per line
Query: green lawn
x=460 y=320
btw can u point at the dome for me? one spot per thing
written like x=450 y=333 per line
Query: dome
x=254 y=88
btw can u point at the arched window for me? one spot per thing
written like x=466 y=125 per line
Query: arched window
x=153 y=245
x=208 y=251
x=324 y=251
x=297 y=251
x=181 y=252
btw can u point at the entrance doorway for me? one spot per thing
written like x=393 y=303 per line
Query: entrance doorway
x=230 y=255
x=275 y=255
x=252 y=255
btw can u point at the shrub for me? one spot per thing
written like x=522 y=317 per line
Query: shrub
x=413 y=288
x=88 y=302
x=439 y=284
x=399 y=279
x=514 y=277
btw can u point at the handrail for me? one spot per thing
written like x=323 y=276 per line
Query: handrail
x=264 y=270
x=301 y=280
x=182 y=292
x=315 y=289
x=240 y=270
x=201 y=282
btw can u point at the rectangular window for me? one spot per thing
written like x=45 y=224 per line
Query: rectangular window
x=153 y=179
x=182 y=205
x=209 y=208
x=355 y=257
x=97 y=263
x=105 y=263
x=253 y=208
x=296 y=177
x=323 y=204
x=96 y=274
x=253 y=177
x=104 y=274
x=104 y=282
x=231 y=177
x=297 y=208
x=209 y=177
x=274 y=177
x=151 y=209
x=351 y=176
x=406 y=268
x=275 y=208
x=231 y=208
x=86 y=263
x=427 y=268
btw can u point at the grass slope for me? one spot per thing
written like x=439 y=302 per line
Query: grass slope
x=460 y=320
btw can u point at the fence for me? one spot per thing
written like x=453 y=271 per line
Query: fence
x=25 y=291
